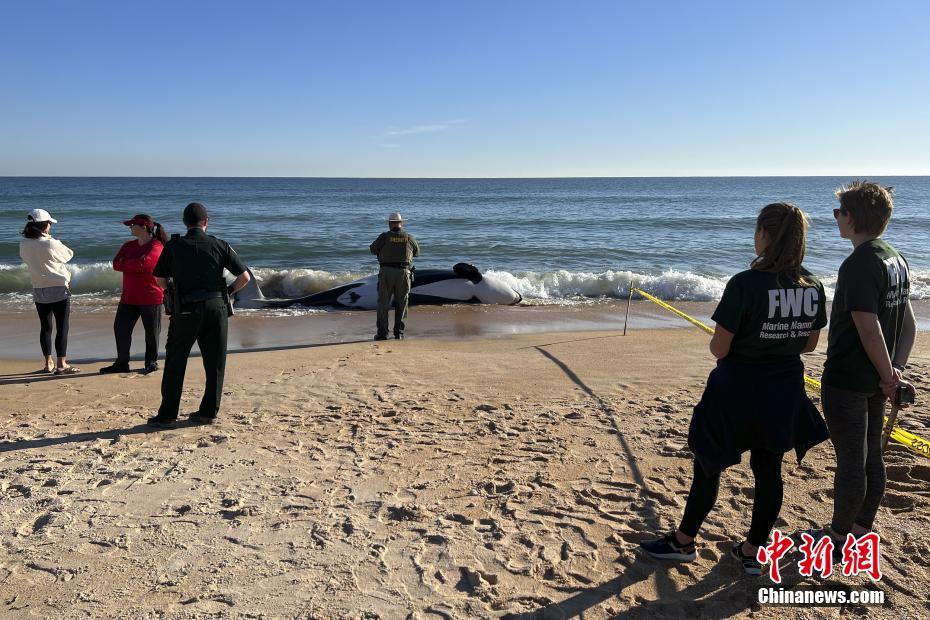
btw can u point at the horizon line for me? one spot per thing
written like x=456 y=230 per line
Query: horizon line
x=441 y=178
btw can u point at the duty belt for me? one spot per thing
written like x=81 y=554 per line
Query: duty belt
x=198 y=296
x=398 y=265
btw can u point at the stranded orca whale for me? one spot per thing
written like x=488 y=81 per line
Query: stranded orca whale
x=463 y=284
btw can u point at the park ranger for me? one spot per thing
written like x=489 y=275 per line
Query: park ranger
x=199 y=314
x=395 y=250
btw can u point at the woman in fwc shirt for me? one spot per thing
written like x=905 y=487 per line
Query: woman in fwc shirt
x=754 y=399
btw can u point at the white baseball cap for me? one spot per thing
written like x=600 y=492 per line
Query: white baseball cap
x=41 y=215
x=395 y=217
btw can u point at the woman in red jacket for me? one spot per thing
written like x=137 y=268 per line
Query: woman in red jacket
x=142 y=297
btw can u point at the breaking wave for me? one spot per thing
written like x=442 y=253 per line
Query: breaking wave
x=100 y=282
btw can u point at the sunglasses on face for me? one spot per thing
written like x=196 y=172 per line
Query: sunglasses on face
x=837 y=212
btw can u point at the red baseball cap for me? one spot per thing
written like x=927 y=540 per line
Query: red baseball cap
x=141 y=221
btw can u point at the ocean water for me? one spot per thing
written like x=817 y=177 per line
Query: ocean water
x=561 y=241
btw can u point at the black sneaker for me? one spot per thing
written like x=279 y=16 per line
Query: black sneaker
x=196 y=418
x=751 y=566
x=149 y=368
x=668 y=548
x=114 y=368
x=398 y=336
x=817 y=534
x=381 y=337
x=157 y=422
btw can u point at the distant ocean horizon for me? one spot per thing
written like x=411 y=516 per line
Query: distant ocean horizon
x=556 y=240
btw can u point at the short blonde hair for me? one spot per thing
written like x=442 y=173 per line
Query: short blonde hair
x=869 y=204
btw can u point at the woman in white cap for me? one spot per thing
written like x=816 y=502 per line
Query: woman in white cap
x=46 y=257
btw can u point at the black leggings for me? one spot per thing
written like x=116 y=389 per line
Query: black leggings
x=126 y=317
x=766 y=467
x=62 y=311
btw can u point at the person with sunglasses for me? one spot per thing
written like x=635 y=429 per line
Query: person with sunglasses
x=142 y=297
x=872 y=332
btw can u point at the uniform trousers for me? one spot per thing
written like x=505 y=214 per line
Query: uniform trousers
x=393 y=282
x=206 y=324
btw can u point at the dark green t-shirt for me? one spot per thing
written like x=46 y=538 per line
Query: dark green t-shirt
x=874 y=278
x=769 y=314
x=196 y=262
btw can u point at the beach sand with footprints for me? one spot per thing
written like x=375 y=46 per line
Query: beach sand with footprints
x=473 y=478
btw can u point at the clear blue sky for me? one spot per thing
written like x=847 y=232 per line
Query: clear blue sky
x=470 y=88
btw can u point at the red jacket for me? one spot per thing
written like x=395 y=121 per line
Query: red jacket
x=137 y=263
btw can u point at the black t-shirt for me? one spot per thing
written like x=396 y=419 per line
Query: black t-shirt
x=874 y=278
x=769 y=314
x=196 y=262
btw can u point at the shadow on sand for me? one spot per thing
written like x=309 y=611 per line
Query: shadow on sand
x=36 y=376
x=723 y=592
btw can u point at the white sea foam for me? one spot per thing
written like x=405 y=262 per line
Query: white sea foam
x=300 y=282
x=99 y=284
x=85 y=278
x=567 y=285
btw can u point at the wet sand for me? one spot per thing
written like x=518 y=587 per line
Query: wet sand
x=452 y=477
x=91 y=333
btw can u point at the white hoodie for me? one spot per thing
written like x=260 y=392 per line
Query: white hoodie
x=46 y=258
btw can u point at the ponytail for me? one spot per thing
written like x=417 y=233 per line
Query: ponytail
x=154 y=228
x=785 y=228
x=158 y=232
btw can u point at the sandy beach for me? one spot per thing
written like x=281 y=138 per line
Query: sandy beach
x=474 y=477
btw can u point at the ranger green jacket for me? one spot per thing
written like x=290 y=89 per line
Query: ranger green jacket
x=395 y=247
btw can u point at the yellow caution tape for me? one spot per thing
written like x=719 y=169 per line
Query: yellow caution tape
x=912 y=441
x=903 y=437
x=690 y=319
x=812 y=383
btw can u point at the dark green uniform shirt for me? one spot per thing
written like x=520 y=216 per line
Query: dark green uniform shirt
x=769 y=314
x=874 y=278
x=196 y=262
x=393 y=247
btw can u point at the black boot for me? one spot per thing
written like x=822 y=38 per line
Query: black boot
x=114 y=368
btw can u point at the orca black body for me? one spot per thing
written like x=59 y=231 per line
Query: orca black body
x=463 y=284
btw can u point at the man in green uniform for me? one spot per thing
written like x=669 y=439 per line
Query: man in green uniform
x=395 y=250
x=196 y=262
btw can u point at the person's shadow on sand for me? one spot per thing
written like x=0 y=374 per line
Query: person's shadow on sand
x=45 y=442
x=724 y=592
x=38 y=376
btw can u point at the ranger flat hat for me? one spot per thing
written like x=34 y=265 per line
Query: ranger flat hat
x=40 y=215
x=395 y=217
